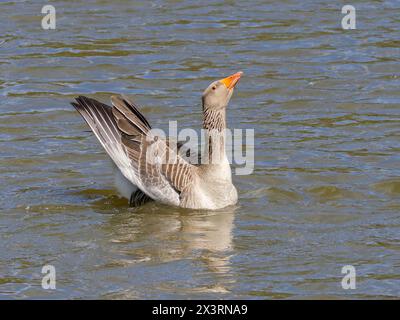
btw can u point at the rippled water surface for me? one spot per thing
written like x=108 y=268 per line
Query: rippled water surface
x=324 y=103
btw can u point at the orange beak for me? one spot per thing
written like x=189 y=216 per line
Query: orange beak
x=231 y=81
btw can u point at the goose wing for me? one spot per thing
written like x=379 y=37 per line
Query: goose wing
x=162 y=172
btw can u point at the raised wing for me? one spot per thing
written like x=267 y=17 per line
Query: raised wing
x=162 y=172
x=148 y=162
x=100 y=119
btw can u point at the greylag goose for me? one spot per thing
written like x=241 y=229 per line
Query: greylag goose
x=151 y=167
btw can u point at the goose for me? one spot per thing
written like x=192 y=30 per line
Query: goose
x=150 y=168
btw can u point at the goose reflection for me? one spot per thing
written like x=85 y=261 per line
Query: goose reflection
x=155 y=234
x=211 y=234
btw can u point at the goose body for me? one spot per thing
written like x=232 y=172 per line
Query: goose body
x=149 y=168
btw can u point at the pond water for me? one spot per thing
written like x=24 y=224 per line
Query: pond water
x=325 y=190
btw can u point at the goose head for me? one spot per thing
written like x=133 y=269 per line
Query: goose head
x=218 y=93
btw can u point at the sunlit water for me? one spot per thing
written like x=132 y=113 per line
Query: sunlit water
x=324 y=103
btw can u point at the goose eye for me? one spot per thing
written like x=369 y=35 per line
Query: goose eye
x=214 y=87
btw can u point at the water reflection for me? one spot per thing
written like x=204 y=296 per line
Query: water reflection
x=210 y=233
x=202 y=237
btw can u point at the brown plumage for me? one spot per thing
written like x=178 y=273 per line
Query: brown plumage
x=151 y=163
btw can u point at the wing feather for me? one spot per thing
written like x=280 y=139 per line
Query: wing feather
x=163 y=172
x=143 y=158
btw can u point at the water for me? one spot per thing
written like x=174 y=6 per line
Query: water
x=325 y=190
